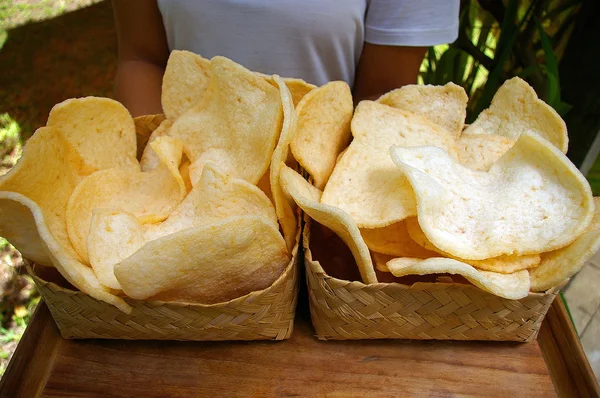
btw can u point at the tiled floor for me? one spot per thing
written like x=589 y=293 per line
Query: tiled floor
x=583 y=297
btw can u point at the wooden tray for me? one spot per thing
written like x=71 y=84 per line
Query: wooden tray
x=47 y=365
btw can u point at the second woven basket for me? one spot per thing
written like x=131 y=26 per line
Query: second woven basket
x=344 y=310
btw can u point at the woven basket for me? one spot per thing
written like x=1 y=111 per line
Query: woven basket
x=262 y=315
x=343 y=310
x=144 y=126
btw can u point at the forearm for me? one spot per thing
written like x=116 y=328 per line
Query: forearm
x=385 y=68
x=138 y=87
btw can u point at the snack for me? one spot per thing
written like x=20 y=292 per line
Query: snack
x=395 y=240
x=189 y=224
x=18 y=226
x=505 y=264
x=480 y=151
x=235 y=124
x=532 y=200
x=561 y=264
x=221 y=261
x=365 y=183
x=184 y=171
x=45 y=190
x=380 y=261
x=116 y=235
x=113 y=236
x=284 y=207
x=100 y=129
x=445 y=105
x=511 y=286
x=307 y=197
x=149 y=196
x=185 y=81
x=494 y=204
x=324 y=117
x=515 y=109
x=169 y=151
x=199 y=219
x=149 y=160
x=299 y=88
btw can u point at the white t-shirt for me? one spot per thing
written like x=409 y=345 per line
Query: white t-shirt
x=315 y=40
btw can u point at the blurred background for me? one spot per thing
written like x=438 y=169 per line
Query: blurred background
x=51 y=50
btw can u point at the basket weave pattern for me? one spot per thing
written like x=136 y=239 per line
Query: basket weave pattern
x=343 y=310
x=144 y=126
x=262 y=315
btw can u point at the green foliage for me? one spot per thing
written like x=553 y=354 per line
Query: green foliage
x=10 y=144
x=10 y=138
x=16 y=308
x=9 y=335
x=12 y=333
x=13 y=14
x=19 y=319
x=3 y=244
x=16 y=13
x=502 y=39
x=3 y=37
x=593 y=177
x=551 y=72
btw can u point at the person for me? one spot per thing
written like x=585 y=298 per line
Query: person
x=373 y=45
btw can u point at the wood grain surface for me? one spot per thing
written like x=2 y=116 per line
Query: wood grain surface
x=47 y=365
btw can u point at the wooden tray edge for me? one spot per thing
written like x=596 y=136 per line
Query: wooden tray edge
x=567 y=363
x=31 y=364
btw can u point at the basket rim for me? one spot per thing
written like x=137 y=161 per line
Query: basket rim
x=316 y=268
x=282 y=279
x=145 y=119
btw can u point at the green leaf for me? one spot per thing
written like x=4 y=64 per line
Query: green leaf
x=508 y=26
x=552 y=74
x=551 y=61
x=9 y=128
x=446 y=70
x=527 y=71
x=3 y=37
x=493 y=82
x=428 y=67
x=553 y=93
x=559 y=9
x=460 y=67
x=562 y=108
